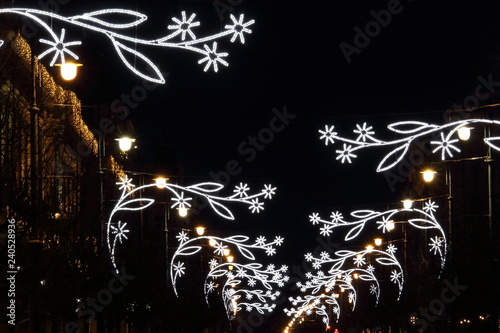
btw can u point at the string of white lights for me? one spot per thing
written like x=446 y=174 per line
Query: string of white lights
x=423 y=219
x=96 y=21
x=337 y=278
x=313 y=304
x=116 y=232
x=247 y=287
x=188 y=247
x=413 y=129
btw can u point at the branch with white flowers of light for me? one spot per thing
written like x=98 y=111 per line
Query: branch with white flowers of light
x=181 y=37
x=339 y=273
x=413 y=129
x=188 y=247
x=424 y=219
x=116 y=232
x=246 y=286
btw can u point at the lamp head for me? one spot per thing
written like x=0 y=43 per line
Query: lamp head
x=428 y=175
x=200 y=231
x=464 y=133
x=125 y=143
x=69 y=70
x=407 y=203
x=183 y=211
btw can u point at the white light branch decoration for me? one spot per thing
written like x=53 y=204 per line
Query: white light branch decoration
x=239 y=243
x=412 y=130
x=419 y=218
x=181 y=37
x=324 y=287
x=116 y=232
x=247 y=286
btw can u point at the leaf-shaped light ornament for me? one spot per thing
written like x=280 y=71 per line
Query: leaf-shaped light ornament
x=98 y=17
x=121 y=49
x=422 y=223
x=354 y=232
x=363 y=213
x=493 y=142
x=246 y=252
x=393 y=158
x=221 y=210
x=409 y=127
x=135 y=204
x=209 y=187
x=238 y=238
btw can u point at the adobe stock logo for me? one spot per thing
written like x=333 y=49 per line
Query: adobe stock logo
x=428 y=314
x=372 y=29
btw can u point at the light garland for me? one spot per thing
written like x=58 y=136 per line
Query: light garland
x=126 y=202
x=192 y=246
x=258 y=294
x=247 y=286
x=335 y=276
x=95 y=21
x=424 y=219
x=414 y=130
x=325 y=286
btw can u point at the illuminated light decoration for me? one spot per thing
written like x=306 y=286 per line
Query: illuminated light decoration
x=1 y=42
x=337 y=277
x=126 y=46
x=58 y=46
x=413 y=130
x=239 y=243
x=424 y=219
x=247 y=287
x=127 y=202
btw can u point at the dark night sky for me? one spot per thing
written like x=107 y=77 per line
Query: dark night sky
x=426 y=59
x=422 y=62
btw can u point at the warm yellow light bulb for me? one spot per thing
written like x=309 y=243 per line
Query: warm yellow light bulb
x=69 y=70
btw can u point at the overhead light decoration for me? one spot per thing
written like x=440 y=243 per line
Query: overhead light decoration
x=249 y=287
x=181 y=37
x=336 y=276
x=413 y=130
x=341 y=274
x=116 y=233
x=423 y=219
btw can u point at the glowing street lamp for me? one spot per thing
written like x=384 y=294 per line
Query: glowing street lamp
x=125 y=143
x=378 y=241
x=428 y=175
x=69 y=70
x=161 y=182
x=407 y=203
x=200 y=231
x=183 y=211
x=464 y=133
